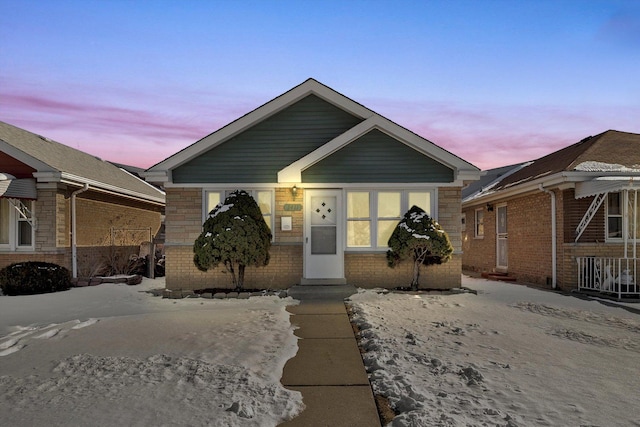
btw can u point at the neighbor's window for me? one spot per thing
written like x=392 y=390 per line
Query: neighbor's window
x=25 y=232
x=264 y=199
x=5 y=221
x=617 y=219
x=614 y=216
x=479 y=223
x=16 y=231
x=373 y=215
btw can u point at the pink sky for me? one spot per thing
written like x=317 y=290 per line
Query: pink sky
x=142 y=134
x=495 y=83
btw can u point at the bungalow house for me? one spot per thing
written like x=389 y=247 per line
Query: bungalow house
x=569 y=219
x=332 y=179
x=61 y=205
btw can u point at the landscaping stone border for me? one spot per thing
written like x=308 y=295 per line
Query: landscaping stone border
x=133 y=279
x=180 y=293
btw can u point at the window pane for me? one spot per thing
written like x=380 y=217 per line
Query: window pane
x=358 y=205
x=389 y=205
x=615 y=227
x=634 y=218
x=421 y=200
x=502 y=220
x=359 y=234
x=213 y=199
x=479 y=223
x=323 y=240
x=613 y=201
x=385 y=229
x=4 y=221
x=24 y=233
x=264 y=201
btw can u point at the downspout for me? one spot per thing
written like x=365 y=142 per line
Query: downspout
x=74 y=249
x=554 y=255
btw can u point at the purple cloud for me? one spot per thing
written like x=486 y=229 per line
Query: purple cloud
x=143 y=129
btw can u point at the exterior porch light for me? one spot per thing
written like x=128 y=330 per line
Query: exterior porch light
x=294 y=191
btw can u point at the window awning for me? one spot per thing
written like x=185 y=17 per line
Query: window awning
x=14 y=188
x=606 y=184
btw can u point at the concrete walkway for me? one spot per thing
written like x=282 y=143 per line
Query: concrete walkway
x=328 y=368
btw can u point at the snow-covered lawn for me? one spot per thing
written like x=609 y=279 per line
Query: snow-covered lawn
x=114 y=355
x=510 y=355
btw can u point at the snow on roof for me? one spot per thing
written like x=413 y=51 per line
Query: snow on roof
x=592 y=166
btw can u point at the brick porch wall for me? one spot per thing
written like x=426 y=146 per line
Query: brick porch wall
x=572 y=250
x=60 y=258
x=371 y=271
x=284 y=270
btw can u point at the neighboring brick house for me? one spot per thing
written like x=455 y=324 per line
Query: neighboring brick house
x=569 y=219
x=48 y=190
x=332 y=179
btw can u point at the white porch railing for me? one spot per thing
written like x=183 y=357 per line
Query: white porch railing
x=614 y=276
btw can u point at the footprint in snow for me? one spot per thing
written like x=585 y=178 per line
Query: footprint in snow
x=49 y=334
x=84 y=324
x=10 y=346
x=9 y=343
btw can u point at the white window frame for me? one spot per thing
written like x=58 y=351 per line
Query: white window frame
x=373 y=213
x=476 y=233
x=15 y=219
x=626 y=212
x=269 y=219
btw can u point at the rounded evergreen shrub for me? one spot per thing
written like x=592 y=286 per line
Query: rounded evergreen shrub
x=34 y=277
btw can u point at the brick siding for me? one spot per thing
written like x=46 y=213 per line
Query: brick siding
x=97 y=213
x=529 y=238
x=184 y=224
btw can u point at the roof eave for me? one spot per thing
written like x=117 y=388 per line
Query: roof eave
x=565 y=179
x=75 y=180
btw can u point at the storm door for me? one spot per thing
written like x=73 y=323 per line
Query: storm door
x=323 y=240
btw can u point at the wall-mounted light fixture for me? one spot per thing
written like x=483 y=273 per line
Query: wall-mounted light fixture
x=489 y=207
x=294 y=191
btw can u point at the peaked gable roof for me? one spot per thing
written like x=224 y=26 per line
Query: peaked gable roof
x=367 y=120
x=612 y=153
x=57 y=162
x=607 y=152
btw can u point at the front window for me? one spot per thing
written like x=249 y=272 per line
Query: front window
x=389 y=214
x=358 y=219
x=264 y=199
x=373 y=215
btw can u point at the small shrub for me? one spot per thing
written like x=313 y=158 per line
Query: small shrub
x=34 y=277
x=236 y=235
x=418 y=238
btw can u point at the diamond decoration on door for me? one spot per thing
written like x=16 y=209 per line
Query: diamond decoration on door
x=323 y=210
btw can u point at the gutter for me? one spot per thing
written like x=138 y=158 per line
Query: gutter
x=74 y=248
x=554 y=254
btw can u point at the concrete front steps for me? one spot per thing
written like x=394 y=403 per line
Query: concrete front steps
x=498 y=276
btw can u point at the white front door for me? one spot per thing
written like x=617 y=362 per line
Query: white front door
x=502 y=253
x=323 y=231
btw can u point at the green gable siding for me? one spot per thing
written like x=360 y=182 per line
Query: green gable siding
x=377 y=157
x=257 y=154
